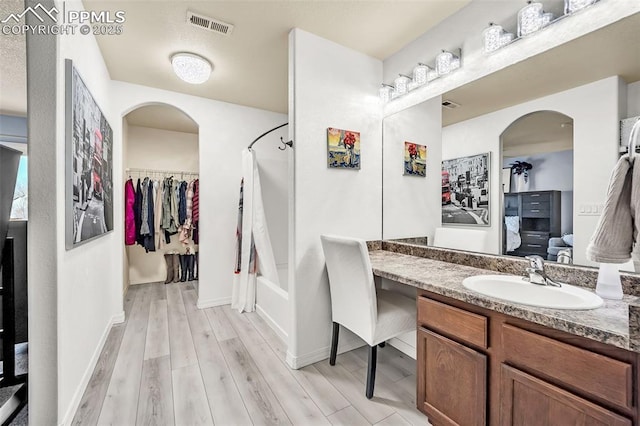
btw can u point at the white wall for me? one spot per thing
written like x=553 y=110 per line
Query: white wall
x=330 y=86
x=633 y=99
x=595 y=110
x=552 y=171
x=42 y=242
x=224 y=130
x=156 y=149
x=408 y=207
x=89 y=278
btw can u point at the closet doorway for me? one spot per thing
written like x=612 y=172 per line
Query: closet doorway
x=161 y=161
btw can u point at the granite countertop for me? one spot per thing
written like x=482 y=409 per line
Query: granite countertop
x=608 y=324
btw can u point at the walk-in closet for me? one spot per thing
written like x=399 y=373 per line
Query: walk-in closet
x=161 y=190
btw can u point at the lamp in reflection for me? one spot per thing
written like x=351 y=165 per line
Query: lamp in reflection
x=447 y=62
x=530 y=18
x=385 y=92
x=571 y=6
x=401 y=84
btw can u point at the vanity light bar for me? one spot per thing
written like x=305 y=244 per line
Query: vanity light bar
x=446 y=62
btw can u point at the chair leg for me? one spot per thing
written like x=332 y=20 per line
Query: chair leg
x=371 y=370
x=334 y=343
x=382 y=345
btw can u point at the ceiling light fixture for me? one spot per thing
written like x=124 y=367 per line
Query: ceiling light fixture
x=193 y=69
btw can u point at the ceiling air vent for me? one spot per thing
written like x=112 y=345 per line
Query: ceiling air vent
x=449 y=104
x=210 y=24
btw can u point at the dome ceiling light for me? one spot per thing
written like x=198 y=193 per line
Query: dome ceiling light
x=193 y=69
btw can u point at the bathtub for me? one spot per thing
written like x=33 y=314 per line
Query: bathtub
x=272 y=302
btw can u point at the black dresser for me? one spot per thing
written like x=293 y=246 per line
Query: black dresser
x=540 y=216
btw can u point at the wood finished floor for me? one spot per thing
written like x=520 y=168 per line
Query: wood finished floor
x=171 y=363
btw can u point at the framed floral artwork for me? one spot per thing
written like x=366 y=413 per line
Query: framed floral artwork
x=343 y=149
x=415 y=159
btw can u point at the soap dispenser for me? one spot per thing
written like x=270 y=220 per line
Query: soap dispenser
x=609 y=285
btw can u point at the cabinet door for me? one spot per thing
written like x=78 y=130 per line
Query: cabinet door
x=452 y=381
x=526 y=400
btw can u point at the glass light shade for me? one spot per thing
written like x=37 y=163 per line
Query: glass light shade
x=530 y=19
x=385 y=93
x=446 y=62
x=420 y=74
x=506 y=38
x=191 y=68
x=571 y=6
x=401 y=84
x=491 y=36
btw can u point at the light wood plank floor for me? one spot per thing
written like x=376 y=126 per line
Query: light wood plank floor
x=172 y=364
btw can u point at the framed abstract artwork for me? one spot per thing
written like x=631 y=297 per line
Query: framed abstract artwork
x=89 y=164
x=415 y=159
x=466 y=184
x=343 y=149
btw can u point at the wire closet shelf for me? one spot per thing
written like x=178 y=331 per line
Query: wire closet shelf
x=181 y=174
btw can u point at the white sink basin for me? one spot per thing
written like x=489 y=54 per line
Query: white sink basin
x=515 y=289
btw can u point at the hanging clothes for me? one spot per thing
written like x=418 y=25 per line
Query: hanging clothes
x=254 y=252
x=158 y=233
x=144 y=225
x=186 y=228
x=195 y=215
x=175 y=190
x=182 y=203
x=137 y=211
x=148 y=222
x=129 y=213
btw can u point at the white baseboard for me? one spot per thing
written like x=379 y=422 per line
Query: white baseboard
x=118 y=318
x=211 y=303
x=403 y=347
x=282 y=334
x=344 y=345
x=77 y=396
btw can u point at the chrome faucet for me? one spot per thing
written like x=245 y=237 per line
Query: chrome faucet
x=536 y=273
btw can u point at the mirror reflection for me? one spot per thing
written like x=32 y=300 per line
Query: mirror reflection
x=518 y=173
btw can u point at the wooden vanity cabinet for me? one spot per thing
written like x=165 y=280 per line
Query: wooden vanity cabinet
x=476 y=367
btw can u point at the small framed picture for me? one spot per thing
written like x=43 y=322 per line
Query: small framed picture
x=343 y=149
x=415 y=159
x=466 y=185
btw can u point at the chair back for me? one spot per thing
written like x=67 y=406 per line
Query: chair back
x=461 y=239
x=353 y=293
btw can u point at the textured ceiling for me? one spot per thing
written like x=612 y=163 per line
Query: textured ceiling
x=610 y=51
x=13 y=66
x=251 y=65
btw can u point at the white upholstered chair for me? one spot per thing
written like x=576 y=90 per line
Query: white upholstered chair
x=374 y=316
x=461 y=239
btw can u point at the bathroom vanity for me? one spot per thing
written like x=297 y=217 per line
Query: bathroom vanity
x=482 y=360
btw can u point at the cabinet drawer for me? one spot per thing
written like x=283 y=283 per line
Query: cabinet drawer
x=539 y=213
x=453 y=322
x=535 y=237
x=536 y=197
x=540 y=205
x=597 y=375
x=532 y=248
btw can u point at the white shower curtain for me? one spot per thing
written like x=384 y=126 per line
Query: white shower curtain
x=254 y=229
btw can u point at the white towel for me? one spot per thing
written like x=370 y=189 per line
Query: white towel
x=613 y=240
x=513 y=232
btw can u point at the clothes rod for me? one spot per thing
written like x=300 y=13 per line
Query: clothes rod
x=163 y=172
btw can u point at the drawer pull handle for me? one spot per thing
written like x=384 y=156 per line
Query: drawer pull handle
x=535 y=211
x=535 y=204
x=534 y=245
x=535 y=195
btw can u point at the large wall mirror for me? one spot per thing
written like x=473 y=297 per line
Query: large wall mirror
x=527 y=169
